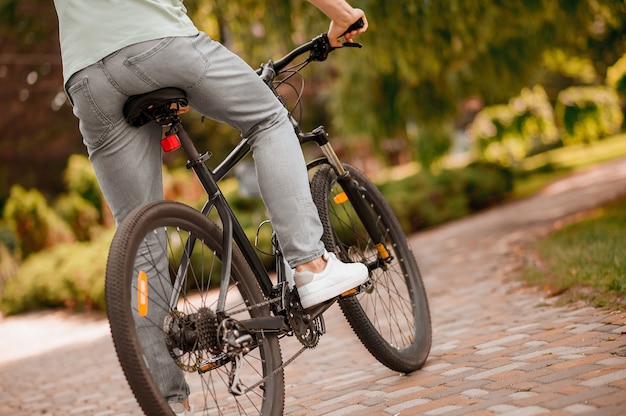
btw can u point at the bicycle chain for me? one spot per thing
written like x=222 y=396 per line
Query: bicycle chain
x=256 y=305
x=276 y=371
x=285 y=363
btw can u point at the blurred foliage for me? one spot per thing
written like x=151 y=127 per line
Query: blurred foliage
x=80 y=179
x=8 y=265
x=82 y=206
x=80 y=215
x=574 y=68
x=66 y=275
x=421 y=60
x=587 y=114
x=424 y=200
x=507 y=133
x=433 y=142
x=616 y=76
x=41 y=265
x=432 y=54
x=36 y=225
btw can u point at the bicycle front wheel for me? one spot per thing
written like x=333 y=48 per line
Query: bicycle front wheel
x=162 y=283
x=391 y=317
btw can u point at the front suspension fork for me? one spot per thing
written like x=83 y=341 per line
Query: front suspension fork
x=355 y=193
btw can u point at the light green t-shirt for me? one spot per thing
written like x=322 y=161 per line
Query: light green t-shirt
x=89 y=30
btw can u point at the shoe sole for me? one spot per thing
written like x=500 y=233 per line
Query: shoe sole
x=326 y=293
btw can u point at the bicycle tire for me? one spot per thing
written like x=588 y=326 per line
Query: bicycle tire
x=209 y=391
x=391 y=318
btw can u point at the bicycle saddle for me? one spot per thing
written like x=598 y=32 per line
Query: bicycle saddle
x=143 y=108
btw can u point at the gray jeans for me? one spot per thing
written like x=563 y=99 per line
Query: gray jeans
x=127 y=160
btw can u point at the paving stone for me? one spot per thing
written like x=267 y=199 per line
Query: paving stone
x=499 y=348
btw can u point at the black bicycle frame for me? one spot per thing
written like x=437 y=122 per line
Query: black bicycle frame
x=232 y=230
x=231 y=227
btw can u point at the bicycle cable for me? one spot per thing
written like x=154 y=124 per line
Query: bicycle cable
x=284 y=364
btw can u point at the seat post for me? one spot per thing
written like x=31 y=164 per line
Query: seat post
x=195 y=160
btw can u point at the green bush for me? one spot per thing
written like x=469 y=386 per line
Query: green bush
x=486 y=184
x=8 y=266
x=79 y=214
x=66 y=275
x=616 y=76
x=72 y=275
x=586 y=114
x=80 y=179
x=432 y=143
x=423 y=200
x=507 y=133
x=36 y=225
x=405 y=197
x=8 y=239
x=446 y=198
x=82 y=207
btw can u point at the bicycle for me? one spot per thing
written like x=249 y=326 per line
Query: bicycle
x=220 y=314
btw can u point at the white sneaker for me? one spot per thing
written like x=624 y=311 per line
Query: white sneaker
x=180 y=410
x=334 y=280
x=289 y=272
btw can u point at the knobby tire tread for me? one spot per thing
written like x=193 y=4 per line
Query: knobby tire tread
x=414 y=356
x=118 y=299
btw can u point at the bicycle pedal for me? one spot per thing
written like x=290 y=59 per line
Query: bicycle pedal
x=350 y=292
x=364 y=287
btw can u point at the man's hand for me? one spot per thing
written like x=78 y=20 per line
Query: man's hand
x=337 y=30
x=341 y=16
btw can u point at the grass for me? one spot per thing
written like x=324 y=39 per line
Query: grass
x=537 y=171
x=584 y=260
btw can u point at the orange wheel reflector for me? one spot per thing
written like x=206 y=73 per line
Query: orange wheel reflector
x=142 y=293
x=340 y=198
x=382 y=250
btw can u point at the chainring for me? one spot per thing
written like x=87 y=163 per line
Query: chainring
x=306 y=330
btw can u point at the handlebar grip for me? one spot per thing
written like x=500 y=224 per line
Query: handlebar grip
x=354 y=26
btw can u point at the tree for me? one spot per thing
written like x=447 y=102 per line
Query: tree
x=39 y=130
x=422 y=57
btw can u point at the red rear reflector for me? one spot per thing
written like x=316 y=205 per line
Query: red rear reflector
x=169 y=143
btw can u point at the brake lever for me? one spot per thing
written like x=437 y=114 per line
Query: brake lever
x=350 y=45
x=354 y=26
x=321 y=44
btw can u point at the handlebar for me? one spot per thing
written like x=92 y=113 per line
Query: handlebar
x=318 y=46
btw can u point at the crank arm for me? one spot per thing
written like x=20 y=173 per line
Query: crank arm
x=266 y=324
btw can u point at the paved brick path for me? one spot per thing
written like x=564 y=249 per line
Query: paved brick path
x=498 y=349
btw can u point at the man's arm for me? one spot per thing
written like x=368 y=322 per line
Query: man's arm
x=341 y=16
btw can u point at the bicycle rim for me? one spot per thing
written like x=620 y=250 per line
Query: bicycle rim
x=391 y=317
x=175 y=342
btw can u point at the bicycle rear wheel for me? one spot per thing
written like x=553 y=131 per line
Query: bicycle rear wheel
x=391 y=317
x=165 y=351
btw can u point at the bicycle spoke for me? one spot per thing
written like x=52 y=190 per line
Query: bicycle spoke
x=391 y=315
x=177 y=252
